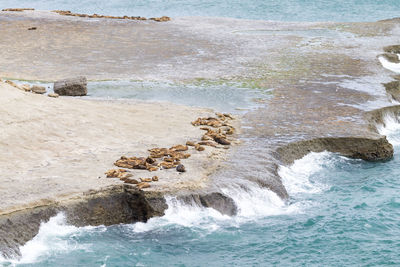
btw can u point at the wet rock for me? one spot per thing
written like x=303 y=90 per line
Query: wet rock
x=143 y=185
x=71 y=87
x=38 y=89
x=369 y=149
x=53 y=95
x=394 y=58
x=113 y=205
x=181 y=168
x=392 y=49
x=147 y=180
x=215 y=200
x=154 y=178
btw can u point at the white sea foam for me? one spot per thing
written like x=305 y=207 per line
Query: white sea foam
x=390 y=128
x=296 y=178
x=395 y=67
x=51 y=238
x=254 y=202
x=184 y=214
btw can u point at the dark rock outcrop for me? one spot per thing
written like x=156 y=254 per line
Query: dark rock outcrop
x=377 y=116
x=215 y=200
x=71 y=87
x=393 y=89
x=391 y=57
x=369 y=149
x=392 y=49
x=119 y=204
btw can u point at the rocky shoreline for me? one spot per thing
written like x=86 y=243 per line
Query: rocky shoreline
x=294 y=123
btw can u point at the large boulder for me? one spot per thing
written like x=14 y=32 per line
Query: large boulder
x=72 y=87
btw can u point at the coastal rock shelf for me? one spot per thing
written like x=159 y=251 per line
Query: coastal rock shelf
x=326 y=94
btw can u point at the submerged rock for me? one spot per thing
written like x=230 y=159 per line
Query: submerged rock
x=71 y=87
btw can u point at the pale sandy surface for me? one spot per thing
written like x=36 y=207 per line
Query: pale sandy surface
x=55 y=148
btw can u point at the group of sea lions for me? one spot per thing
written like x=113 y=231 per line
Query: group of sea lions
x=69 y=13
x=216 y=136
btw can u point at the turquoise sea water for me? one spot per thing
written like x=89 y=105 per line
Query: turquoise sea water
x=283 y=10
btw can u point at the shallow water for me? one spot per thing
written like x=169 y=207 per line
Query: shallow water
x=284 y=10
x=222 y=97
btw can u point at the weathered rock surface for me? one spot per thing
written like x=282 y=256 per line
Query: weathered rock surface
x=393 y=89
x=215 y=200
x=369 y=149
x=71 y=87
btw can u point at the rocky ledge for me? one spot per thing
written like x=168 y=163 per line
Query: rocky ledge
x=118 y=204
